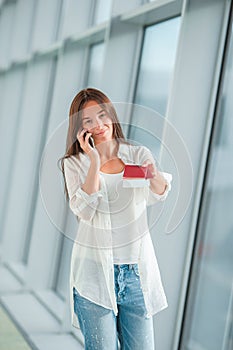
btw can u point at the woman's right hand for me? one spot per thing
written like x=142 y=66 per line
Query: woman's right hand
x=85 y=145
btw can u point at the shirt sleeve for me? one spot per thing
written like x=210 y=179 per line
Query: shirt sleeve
x=152 y=197
x=82 y=204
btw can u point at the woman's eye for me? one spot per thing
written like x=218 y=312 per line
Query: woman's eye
x=102 y=115
x=87 y=121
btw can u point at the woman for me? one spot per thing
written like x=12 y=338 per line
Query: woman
x=115 y=281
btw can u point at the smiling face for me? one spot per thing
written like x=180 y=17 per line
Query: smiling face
x=96 y=120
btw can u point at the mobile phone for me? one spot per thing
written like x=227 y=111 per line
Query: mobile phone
x=91 y=140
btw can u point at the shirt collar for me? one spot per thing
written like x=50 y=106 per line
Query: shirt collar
x=123 y=153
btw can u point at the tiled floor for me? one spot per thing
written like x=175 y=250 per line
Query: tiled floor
x=37 y=323
x=10 y=337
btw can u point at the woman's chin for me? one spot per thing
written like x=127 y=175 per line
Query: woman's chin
x=103 y=140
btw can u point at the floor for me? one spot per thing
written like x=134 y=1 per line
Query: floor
x=10 y=337
x=27 y=317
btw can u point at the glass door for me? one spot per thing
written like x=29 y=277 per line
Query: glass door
x=208 y=316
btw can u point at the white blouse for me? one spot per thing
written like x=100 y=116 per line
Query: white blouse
x=91 y=268
x=122 y=216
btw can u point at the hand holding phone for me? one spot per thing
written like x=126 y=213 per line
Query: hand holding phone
x=91 y=140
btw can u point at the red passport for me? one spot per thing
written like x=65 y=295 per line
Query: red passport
x=133 y=171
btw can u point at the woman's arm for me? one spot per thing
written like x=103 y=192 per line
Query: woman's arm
x=92 y=183
x=160 y=184
x=153 y=195
x=83 y=198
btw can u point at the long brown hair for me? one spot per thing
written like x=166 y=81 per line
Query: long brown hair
x=75 y=123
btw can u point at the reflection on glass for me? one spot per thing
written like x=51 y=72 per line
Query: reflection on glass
x=157 y=64
x=155 y=73
x=102 y=11
x=95 y=65
x=208 y=323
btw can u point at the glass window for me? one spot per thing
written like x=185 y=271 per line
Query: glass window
x=155 y=75
x=157 y=62
x=94 y=69
x=11 y=95
x=2 y=90
x=7 y=15
x=208 y=319
x=95 y=65
x=24 y=161
x=47 y=13
x=22 y=28
x=76 y=17
x=102 y=11
x=50 y=218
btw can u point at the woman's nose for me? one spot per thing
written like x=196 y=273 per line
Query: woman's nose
x=98 y=123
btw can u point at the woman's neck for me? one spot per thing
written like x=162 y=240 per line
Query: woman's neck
x=108 y=149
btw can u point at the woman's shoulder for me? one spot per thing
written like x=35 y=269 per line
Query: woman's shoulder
x=141 y=150
x=76 y=162
x=138 y=153
x=73 y=159
x=134 y=147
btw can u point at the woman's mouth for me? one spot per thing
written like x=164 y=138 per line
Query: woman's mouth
x=101 y=132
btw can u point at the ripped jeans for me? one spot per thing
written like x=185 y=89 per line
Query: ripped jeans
x=102 y=330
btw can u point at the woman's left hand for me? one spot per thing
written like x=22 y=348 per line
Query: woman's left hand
x=157 y=184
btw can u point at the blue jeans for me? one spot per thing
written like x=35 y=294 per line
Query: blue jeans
x=102 y=329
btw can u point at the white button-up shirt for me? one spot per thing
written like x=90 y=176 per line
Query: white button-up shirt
x=91 y=269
